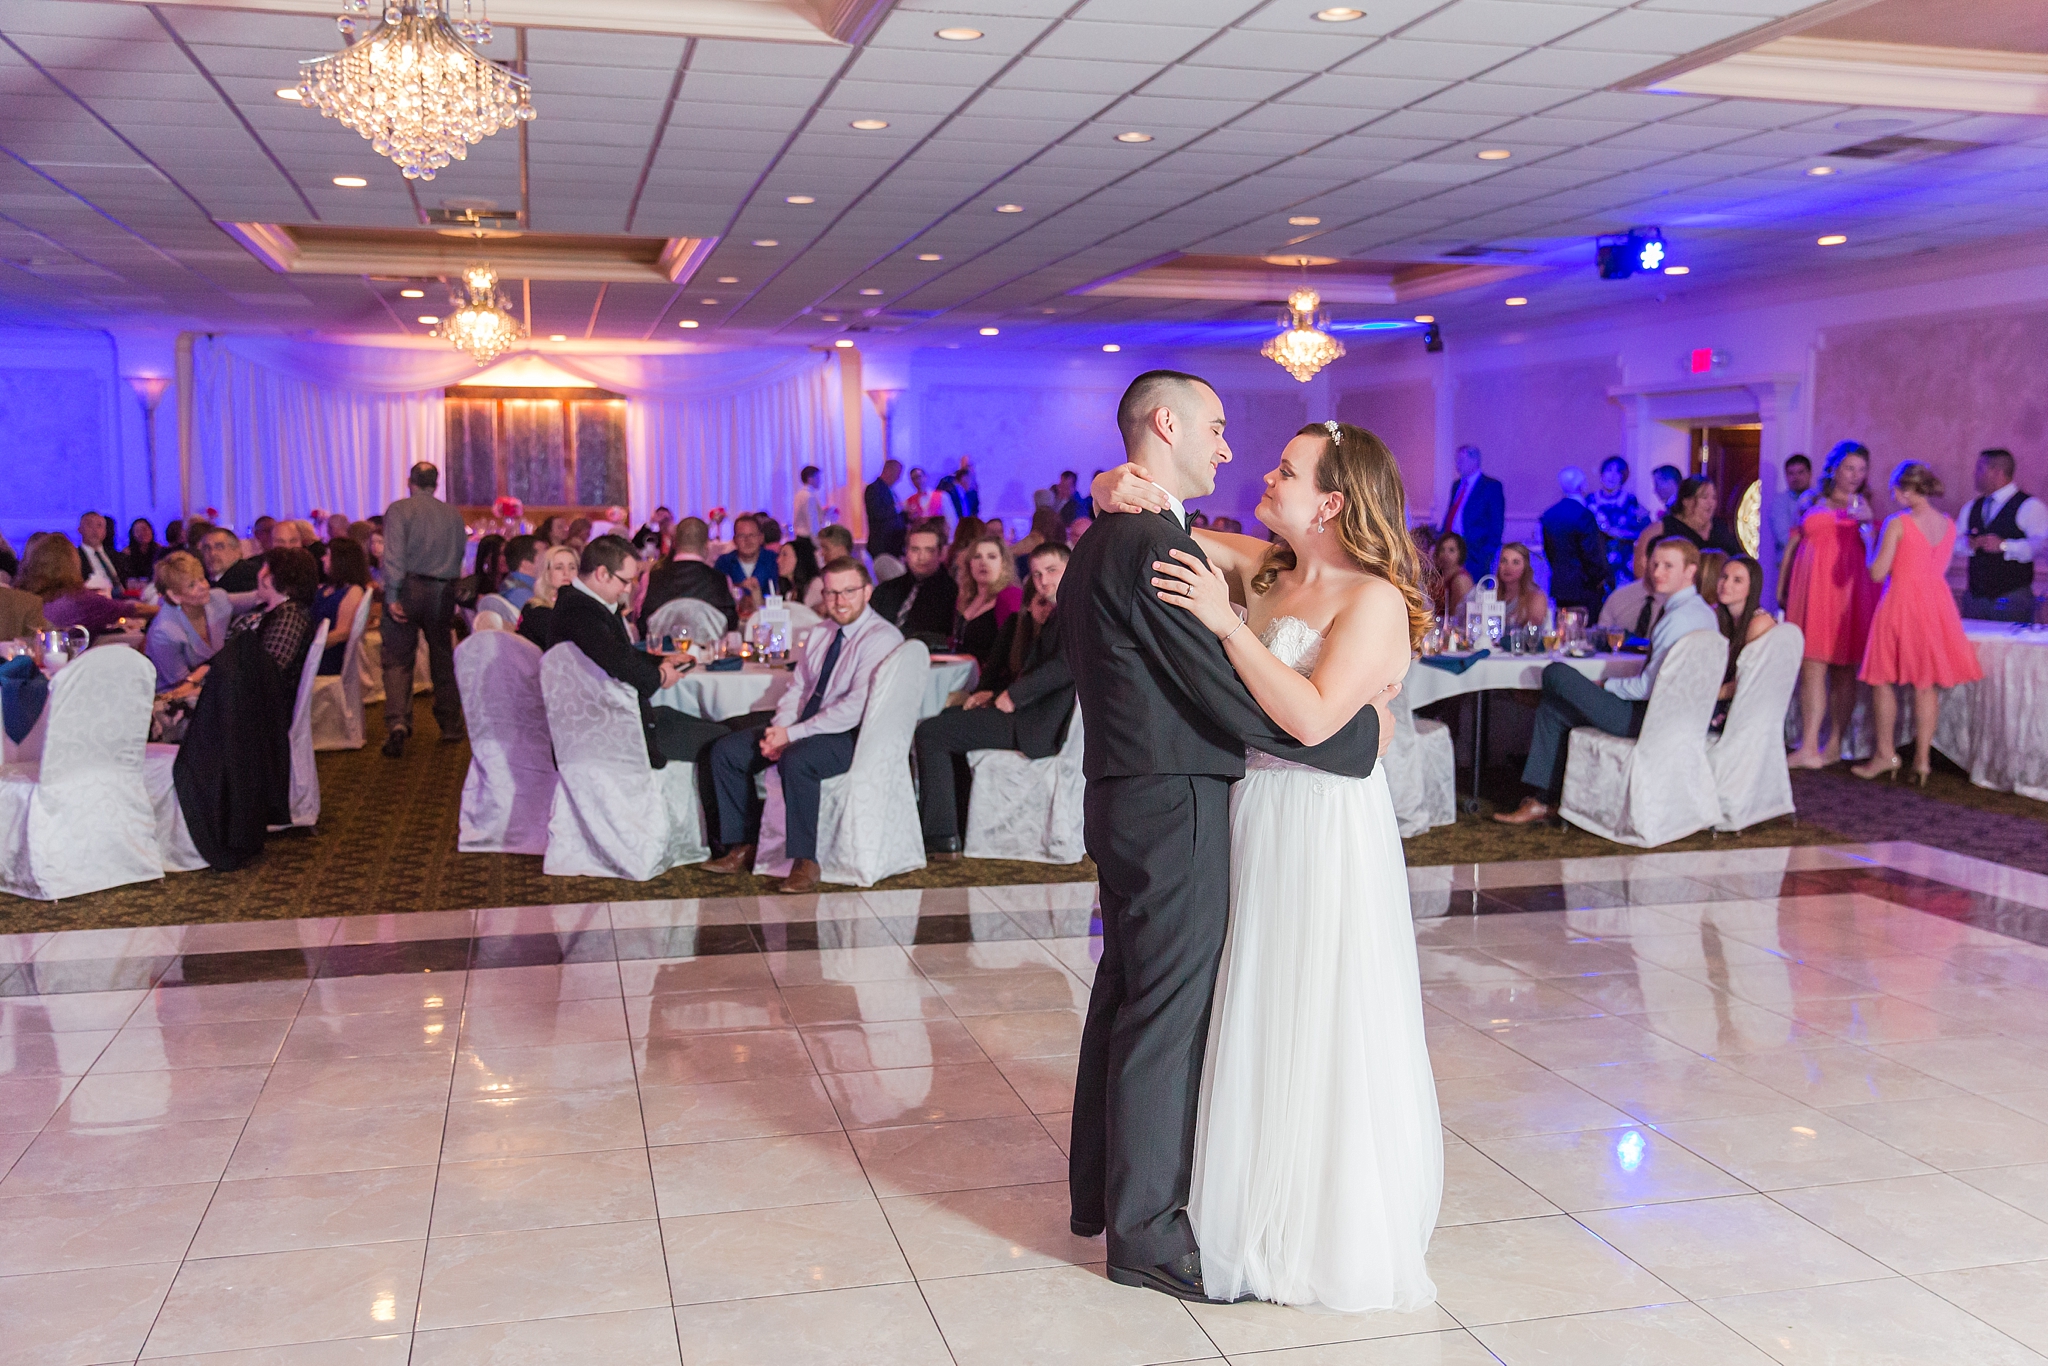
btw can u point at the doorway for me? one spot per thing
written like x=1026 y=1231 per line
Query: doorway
x=1731 y=457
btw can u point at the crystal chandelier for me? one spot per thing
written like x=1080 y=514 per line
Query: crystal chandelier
x=1304 y=347
x=480 y=325
x=414 y=86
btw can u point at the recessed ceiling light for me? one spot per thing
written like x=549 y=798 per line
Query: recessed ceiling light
x=412 y=294
x=429 y=319
x=843 y=343
x=871 y=293
x=708 y=303
x=1134 y=137
x=1048 y=310
x=930 y=256
x=799 y=199
x=687 y=322
x=1339 y=15
x=766 y=242
x=1820 y=170
x=831 y=317
x=289 y=92
x=1009 y=208
x=1425 y=317
x=958 y=35
x=869 y=125
x=1833 y=239
x=558 y=336
x=1495 y=154
x=350 y=182
x=991 y=331
x=1517 y=301
x=1112 y=346
x=1678 y=270
x=1305 y=221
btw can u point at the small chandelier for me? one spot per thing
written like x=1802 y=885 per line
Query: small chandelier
x=480 y=325
x=414 y=86
x=1304 y=348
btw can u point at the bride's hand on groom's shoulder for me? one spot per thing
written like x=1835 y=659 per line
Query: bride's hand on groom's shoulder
x=1127 y=488
x=1187 y=581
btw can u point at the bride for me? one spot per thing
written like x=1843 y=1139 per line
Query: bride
x=1318 y=1151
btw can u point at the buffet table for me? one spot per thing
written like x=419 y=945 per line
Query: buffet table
x=757 y=687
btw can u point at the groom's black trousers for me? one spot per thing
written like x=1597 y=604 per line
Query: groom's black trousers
x=1161 y=846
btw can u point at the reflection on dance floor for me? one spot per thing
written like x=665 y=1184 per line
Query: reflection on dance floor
x=1753 y=1106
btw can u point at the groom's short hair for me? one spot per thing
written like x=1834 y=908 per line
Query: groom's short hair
x=1151 y=391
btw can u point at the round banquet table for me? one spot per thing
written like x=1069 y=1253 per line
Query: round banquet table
x=1426 y=683
x=757 y=687
x=1997 y=727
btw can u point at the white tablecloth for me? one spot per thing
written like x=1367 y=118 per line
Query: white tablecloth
x=1426 y=683
x=721 y=696
x=1997 y=728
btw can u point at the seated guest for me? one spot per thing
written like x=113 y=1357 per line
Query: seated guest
x=192 y=624
x=1454 y=584
x=771 y=530
x=796 y=565
x=745 y=562
x=1632 y=607
x=50 y=570
x=1030 y=712
x=988 y=597
x=21 y=614
x=1016 y=636
x=488 y=567
x=286 y=580
x=920 y=602
x=1692 y=516
x=97 y=558
x=345 y=592
x=578 y=534
x=515 y=589
x=260 y=531
x=1046 y=529
x=1078 y=528
x=688 y=573
x=1574 y=545
x=220 y=550
x=139 y=560
x=1736 y=591
x=1617 y=706
x=557 y=571
x=812 y=735
x=1516 y=587
x=835 y=542
x=293 y=534
x=338 y=526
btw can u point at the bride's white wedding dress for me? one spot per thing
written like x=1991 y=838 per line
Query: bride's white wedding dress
x=1318 y=1152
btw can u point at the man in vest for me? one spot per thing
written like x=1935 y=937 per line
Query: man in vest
x=2005 y=531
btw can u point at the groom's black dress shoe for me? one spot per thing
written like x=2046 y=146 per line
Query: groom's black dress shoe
x=1180 y=1278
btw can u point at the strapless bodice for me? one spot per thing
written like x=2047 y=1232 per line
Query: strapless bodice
x=1298 y=645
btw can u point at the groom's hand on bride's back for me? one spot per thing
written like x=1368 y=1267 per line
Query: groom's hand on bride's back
x=1127 y=488
x=1385 y=713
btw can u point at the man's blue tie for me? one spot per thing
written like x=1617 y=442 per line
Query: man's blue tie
x=817 y=697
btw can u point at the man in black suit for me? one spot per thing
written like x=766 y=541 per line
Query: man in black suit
x=886 y=524
x=1030 y=715
x=1168 y=723
x=1575 y=547
x=920 y=603
x=688 y=574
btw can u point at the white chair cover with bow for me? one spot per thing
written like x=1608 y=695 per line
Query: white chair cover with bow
x=338 y=698
x=1659 y=786
x=1748 y=757
x=868 y=826
x=1027 y=809
x=1422 y=771
x=305 y=775
x=80 y=820
x=704 y=623
x=614 y=814
x=510 y=789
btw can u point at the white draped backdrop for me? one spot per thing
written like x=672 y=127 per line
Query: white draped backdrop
x=282 y=427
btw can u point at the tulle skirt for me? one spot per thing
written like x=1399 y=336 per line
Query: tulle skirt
x=1318 y=1153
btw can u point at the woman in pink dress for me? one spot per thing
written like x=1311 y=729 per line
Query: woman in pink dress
x=1916 y=638
x=1828 y=594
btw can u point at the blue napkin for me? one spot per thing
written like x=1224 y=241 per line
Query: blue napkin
x=725 y=666
x=1455 y=664
x=23 y=690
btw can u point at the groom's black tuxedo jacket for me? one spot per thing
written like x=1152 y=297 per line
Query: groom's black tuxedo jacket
x=1157 y=688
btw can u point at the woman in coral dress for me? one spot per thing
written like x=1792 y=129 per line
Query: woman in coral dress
x=1916 y=638
x=1829 y=595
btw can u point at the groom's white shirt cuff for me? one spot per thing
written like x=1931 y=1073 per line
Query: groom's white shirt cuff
x=1179 y=509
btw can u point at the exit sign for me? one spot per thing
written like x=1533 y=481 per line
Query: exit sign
x=1704 y=360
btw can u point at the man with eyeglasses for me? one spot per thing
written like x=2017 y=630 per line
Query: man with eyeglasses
x=812 y=734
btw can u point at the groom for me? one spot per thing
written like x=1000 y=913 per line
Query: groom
x=1168 y=722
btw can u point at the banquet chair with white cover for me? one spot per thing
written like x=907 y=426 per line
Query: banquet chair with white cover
x=371 y=667
x=338 y=698
x=1028 y=809
x=305 y=774
x=79 y=820
x=494 y=613
x=173 y=838
x=510 y=789
x=704 y=623
x=868 y=827
x=613 y=814
x=1422 y=771
x=1748 y=757
x=1657 y=787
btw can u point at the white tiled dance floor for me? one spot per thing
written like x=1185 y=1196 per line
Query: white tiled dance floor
x=1749 y=1107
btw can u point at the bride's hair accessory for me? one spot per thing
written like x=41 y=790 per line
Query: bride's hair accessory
x=1336 y=433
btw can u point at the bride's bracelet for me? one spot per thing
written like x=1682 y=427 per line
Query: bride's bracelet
x=1225 y=639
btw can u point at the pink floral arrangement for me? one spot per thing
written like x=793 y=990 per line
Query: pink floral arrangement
x=509 y=509
x=318 y=518
x=213 y=515
x=715 y=515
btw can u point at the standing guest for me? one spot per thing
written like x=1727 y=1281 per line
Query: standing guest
x=558 y=565
x=963 y=490
x=1783 y=512
x=1737 y=593
x=2007 y=534
x=522 y=570
x=578 y=534
x=920 y=603
x=808 y=517
x=1066 y=496
x=50 y=570
x=1916 y=635
x=888 y=531
x=988 y=597
x=688 y=573
x=220 y=550
x=1524 y=602
x=1693 y=518
x=812 y=735
x=1665 y=480
x=796 y=565
x=1029 y=709
x=423 y=543
x=1477 y=511
x=922 y=505
x=1621 y=518
x=193 y=623
x=261 y=532
x=1453 y=581
x=286 y=580
x=139 y=560
x=1617 y=706
x=1828 y=595
x=745 y=563
x=96 y=558
x=345 y=593
x=1575 y=546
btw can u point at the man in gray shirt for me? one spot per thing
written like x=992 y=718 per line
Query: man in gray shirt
x=423 y=544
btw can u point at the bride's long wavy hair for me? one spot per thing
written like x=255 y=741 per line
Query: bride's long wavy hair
x=1372 y=526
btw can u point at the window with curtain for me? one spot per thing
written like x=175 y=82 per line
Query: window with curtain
x=549 y=448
